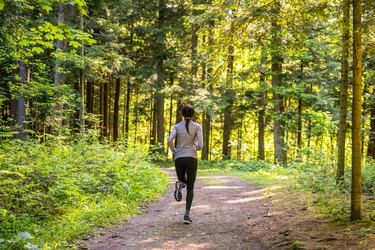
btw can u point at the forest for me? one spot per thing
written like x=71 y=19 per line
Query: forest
x=91 y=89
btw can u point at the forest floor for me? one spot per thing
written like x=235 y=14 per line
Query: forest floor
x=229 y=213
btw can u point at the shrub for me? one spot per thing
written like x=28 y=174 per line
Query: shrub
x=55 y=192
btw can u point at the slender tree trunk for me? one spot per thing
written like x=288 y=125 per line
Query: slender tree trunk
x=82 y=79
x=341 y=136
x=356 y=111
x=180 y=105
x=127 y=110
x=262 y=111
x=239 y=145
x=101 y=111
x=59 y=77
x=229 y=96
x=154 y=122
x=20 y=113
x=206 y=121
x=106 y=109
x=160 y=80
x=300 y=109
x=136 y=117
x=116 y=110
x=90 y=97
x=194 y=45
x=278 y=130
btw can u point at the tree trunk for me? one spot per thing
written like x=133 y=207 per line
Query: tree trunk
x=300 y=108
x=106 y=109
x=160 y=79
x=116 y=110
x=229 y=96
x=262 y=111
x=82 y=79
x=153 y=122
x=59 y=77
x=90 y=97
x=101 y=111
x=136 y=117
x=341 y=136
x=278 y=130
x=127 y=110
x=20 y=103
x=206 y=121
x=194 y=45
x=356 y=111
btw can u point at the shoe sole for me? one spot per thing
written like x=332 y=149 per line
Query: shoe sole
x=187 y=222
x=177 y=192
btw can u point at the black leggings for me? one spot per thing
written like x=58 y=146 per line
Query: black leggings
x=186 y=170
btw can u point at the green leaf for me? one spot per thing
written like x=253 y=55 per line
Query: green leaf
x=1 y=4
x=49 y=37
x=3 y=212
x=47 y=8
x=38 y=50
x=74 y=44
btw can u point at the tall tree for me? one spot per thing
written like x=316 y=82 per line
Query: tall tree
x=206 y=121
x=229 y=93
x=343 y=90
x=116 y=110
x=20 y=103
x=262 y=108
x=160 y=76
x=278 y=129
x=356 y=111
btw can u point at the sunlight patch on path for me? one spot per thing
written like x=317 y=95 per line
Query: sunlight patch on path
x=244 y=200
x=222 y=187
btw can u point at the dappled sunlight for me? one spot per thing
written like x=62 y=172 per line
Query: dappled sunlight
x=222 y=187
x=213 y=177
x=201 y=207
x=275 y=187
x=244 y=200
x=257 y=191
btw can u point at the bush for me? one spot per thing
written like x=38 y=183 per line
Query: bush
x=368 y=176
x=55 y=192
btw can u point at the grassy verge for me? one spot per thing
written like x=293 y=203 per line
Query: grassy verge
x=54 y=193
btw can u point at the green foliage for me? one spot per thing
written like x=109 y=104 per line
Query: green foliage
x=234 y=165
x=56 y=192
x=368 y=176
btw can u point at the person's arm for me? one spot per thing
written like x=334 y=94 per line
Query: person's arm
x=171 y=137
x=200 y=137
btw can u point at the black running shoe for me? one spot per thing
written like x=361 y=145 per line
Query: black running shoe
x=187 y=219
x=177 y=191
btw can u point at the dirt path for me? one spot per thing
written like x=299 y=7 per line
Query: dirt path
x=228 y=213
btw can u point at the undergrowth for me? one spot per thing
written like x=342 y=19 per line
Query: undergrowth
x=52 y=193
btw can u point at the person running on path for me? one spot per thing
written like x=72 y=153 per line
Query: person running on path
x=189 y=139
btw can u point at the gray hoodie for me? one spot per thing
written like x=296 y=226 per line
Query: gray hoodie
x=187 y=143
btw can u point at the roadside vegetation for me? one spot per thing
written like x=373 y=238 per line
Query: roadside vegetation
x=54 y=192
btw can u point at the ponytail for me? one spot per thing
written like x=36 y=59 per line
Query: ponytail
x=187 y=120
x=187 y=113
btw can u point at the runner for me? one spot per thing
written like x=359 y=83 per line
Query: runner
x=189 y=139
